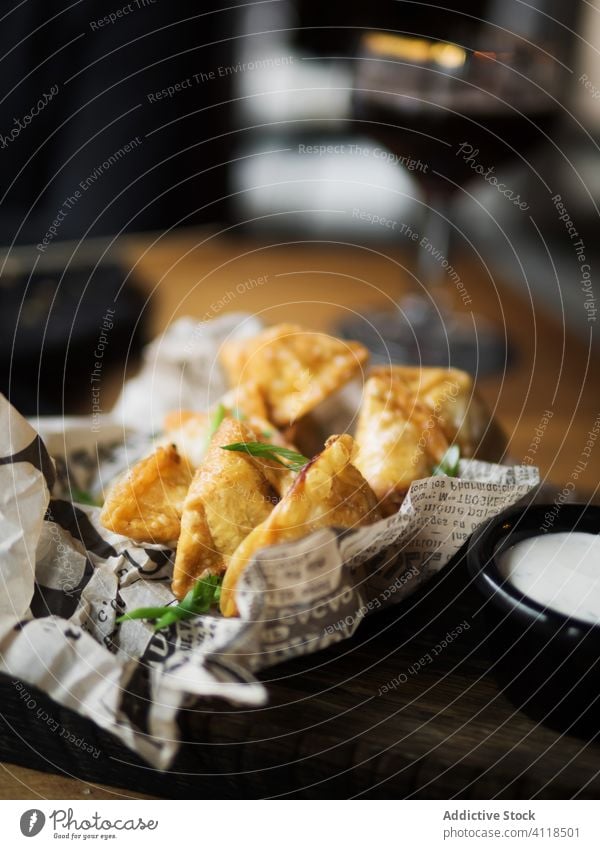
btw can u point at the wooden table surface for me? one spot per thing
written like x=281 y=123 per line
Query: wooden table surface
x=315 y=284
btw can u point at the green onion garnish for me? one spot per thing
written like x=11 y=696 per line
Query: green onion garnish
x=83 y=497
x=295 y=461
x=204 y=593
x=218 y=416
x=448 y=465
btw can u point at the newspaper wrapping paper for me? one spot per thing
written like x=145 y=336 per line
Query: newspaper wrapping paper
x=66 y=579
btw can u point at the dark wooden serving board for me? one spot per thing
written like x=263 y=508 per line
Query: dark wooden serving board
x=446 y=731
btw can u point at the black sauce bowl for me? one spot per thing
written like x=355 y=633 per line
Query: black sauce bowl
x=547 y=662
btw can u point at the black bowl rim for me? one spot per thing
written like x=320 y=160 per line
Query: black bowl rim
x=525 y=521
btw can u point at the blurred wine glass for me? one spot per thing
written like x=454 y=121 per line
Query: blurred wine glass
x=455 y=115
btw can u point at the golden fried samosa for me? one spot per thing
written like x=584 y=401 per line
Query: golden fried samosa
x=398 y=440
x=449 y=395
x=146 y=503
x=408 y=418
x=294 y=368
x=328 y=492
x=246 y=399
x=190 y=432
x=230 y=494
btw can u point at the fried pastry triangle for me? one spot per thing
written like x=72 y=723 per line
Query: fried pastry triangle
x=146 y=504
x=328 y=492
x=449 y=395
x=230 y=494
x=190 y=430
x=398 y=437
x=246 y=398
x=294 y=368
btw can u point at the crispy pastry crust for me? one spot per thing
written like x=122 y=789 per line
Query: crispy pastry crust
x=408 y=418
x=328 y=492
x=248 y=398
x=190 y=430
x=230 y=494
x=146 y=504
x=449 y=395
x=399 y=440
x=294 y=368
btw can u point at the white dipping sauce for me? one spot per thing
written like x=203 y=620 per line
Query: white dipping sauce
x=560 y=570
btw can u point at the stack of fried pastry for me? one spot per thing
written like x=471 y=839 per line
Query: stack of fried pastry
x=219 y=507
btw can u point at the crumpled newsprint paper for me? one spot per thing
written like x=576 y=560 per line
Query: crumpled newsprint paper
x=65 y=579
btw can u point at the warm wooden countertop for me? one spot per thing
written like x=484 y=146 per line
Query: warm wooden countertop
x=314 y=284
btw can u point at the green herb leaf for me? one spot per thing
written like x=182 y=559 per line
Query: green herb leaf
x=143 y=613
x=218 y=416
x=448 y=465
x=204 y=593
x=168 y=618
x=83 y=497
x=295 y=460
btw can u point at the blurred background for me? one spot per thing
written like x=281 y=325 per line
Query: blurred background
x=445 y=153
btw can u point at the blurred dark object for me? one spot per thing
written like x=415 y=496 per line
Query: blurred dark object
x=495 y=98
x=320 y=29
x=61 y=336
x=418 y=333
x=104 y=83
x=319 y=24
